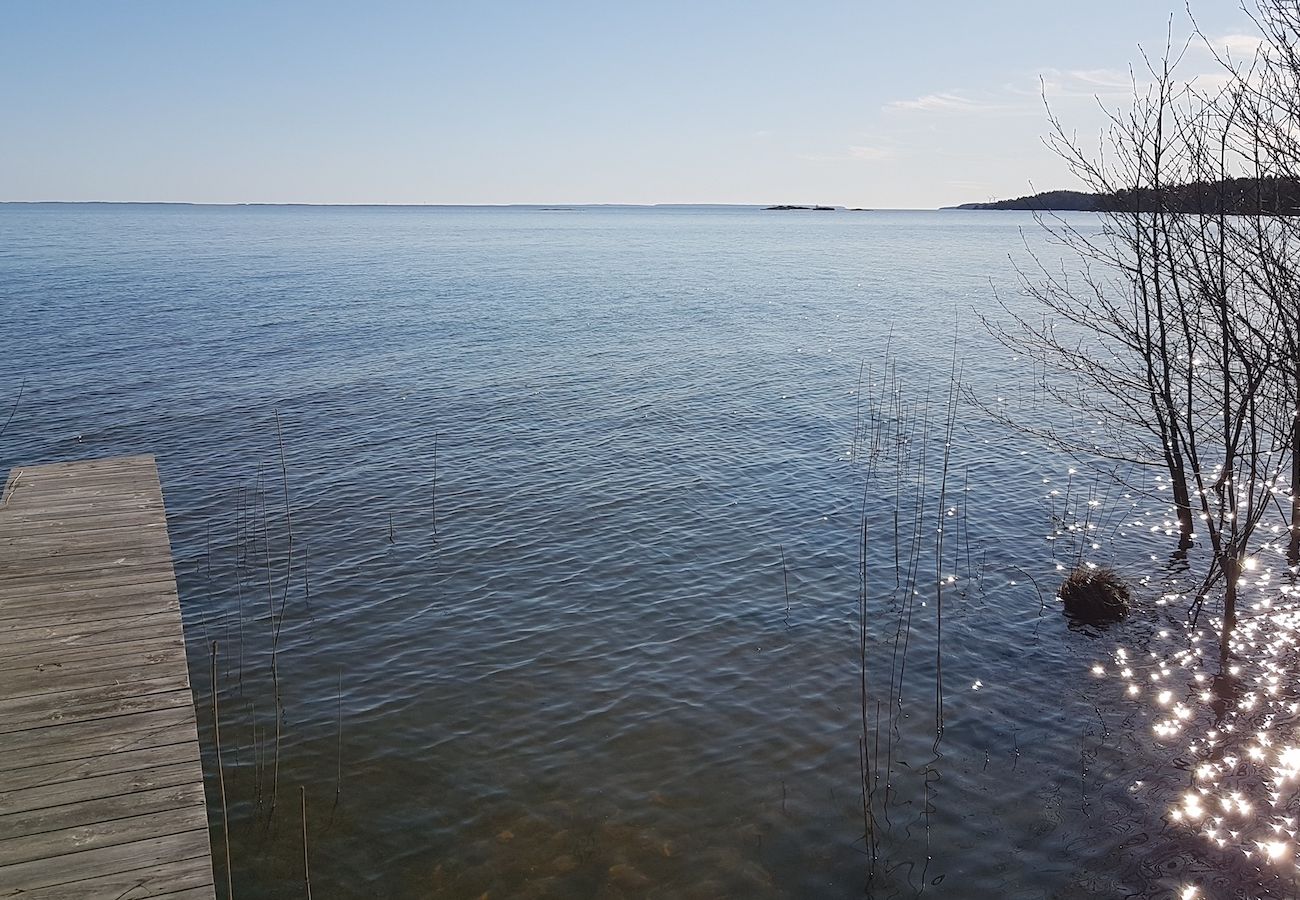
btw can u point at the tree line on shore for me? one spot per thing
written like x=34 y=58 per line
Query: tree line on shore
x=1269 y=195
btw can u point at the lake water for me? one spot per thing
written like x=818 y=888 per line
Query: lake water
x=567 y=600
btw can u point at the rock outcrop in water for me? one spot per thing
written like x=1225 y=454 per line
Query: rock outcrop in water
x=1095 y=595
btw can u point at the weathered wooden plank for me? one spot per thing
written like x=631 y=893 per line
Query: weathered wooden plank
x=198 y=893
x=32 y=648
x=46 y=613
x=113 y=629
x=24 y=507
x=15 y=589
x=102 y=809
x=71 y=599
x=111 y=708
x=89 y=566
x=83 y=740
x=26 y=528
x=52 y=520
x=80 y=563
x=50 y=626
x=71 y=628
x=153 y=853
x=70 y=522
x=114 y=785
x=55 y=679
x=133 y=759
x=129 y=487
x=141 y=481
x=87 y=468
x=20 y=592
x=56 y=544
x=45 y=609
x=96 y=702
x=100 y=511
x=31 y=847
x=157 y=559
x=101 y=785
x=30 y=516
x=140 y=478
x=40 y=652
x=188 y=879
x=43 y=481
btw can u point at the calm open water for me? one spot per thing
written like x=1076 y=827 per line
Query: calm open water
x=567 y=599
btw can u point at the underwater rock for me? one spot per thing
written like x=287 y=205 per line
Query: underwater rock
x=563 y=864
x=626 y=876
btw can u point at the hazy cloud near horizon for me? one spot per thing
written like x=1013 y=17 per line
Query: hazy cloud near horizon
x=406 y=102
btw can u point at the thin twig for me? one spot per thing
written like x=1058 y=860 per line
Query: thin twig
x=11 y=488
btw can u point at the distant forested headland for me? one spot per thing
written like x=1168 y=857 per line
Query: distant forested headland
x=1232 y=196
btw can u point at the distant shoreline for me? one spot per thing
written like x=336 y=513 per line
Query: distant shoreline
x=1269 y=196
x=544 y=207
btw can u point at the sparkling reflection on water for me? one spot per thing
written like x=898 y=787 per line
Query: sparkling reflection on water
x=567 y=600
x=1223 y=759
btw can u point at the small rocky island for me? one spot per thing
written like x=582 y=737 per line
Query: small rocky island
x=786 y=208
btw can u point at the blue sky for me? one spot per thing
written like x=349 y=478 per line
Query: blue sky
x=856 y=103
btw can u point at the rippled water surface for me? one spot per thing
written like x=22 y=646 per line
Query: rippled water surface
x=565 y=597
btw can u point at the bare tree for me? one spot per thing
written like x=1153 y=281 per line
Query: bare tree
x=1179 y=329
x=1270 y=100
x=1106 y=324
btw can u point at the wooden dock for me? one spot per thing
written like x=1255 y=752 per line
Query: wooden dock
x=101 y=787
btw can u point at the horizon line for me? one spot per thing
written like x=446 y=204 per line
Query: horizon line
x=371 y=204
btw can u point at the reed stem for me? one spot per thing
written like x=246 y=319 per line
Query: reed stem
x=221 y=773
x=785 y=580
x=306 y=866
